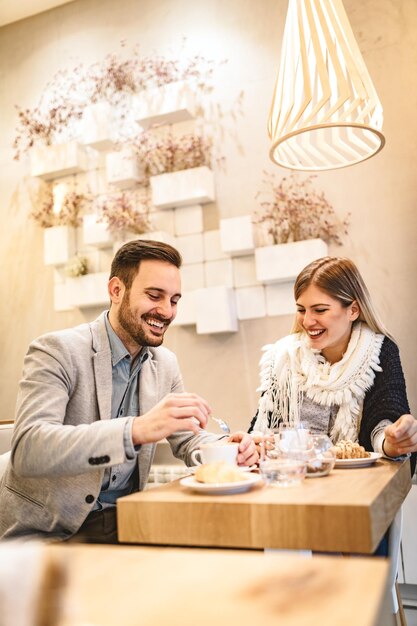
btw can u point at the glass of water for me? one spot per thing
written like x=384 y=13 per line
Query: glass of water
x=279 y=470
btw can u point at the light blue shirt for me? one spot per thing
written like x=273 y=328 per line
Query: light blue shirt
x=118 y=480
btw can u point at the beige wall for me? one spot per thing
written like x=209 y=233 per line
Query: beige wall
x=380 y=193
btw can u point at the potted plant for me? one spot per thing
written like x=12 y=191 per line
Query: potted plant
x=178 y=168
x=295 y=224
x=77 y=266
x=58 y=210
x=55 y=118
x=126 y=212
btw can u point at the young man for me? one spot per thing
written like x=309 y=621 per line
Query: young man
x=93 y=402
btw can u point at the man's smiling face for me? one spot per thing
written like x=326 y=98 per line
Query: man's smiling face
x=149 y=306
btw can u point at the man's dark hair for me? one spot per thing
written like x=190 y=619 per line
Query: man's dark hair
x=126 y=263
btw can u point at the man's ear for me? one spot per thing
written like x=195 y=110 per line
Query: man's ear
x=116 y=289
x=354 y=311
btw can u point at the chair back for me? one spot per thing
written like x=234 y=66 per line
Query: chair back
x=6 y=431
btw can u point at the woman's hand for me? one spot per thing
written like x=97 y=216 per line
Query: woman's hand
x=248 y=454
x=260 y=440
x=401 y=436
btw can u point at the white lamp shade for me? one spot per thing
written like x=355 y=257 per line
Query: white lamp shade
x=325 y=111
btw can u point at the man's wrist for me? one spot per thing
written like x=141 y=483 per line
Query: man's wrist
x=136 y=433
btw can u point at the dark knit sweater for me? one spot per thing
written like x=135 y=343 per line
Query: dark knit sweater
x=386 y=399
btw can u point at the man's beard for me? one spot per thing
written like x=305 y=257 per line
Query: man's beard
x=133 y=328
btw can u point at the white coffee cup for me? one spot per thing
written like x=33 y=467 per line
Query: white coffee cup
x=214 y=452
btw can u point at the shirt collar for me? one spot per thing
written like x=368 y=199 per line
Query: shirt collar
x=117 y=347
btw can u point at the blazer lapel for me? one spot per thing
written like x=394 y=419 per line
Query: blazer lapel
x=102 y=367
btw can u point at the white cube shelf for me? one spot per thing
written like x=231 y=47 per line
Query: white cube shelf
x=191 y=248
x=236 y=235
x=184 y=188
x=158 y=235
x=89 y=290
x=169 y=104
x=212 y=246
x=95 y=180
x=96 y=233
x=97 y=126
x=189 y=220
x=163 y=220
x=215 y=310
x=192 y=277
x=285 y=261
x=122 y=237
x=50 y=162
x=59 y=245
x=250 y=302
x=123 y=169
x=280 y=299
x=186 y=310
x=219 y=272
x=244 y=272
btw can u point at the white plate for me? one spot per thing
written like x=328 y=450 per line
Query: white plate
x=189 y=482
x=242 y=468
x=358 y=462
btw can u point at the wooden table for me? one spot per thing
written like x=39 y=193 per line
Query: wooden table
x=347 y=511
x=182 y=587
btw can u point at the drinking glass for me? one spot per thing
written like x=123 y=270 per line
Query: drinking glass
x=280 y=470
x=293 y=441
x=321 y=457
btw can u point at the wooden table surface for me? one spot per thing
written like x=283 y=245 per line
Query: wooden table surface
x=109 y=585
x=347 y=511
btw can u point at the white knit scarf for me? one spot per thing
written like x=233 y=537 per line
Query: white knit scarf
x=290 y=369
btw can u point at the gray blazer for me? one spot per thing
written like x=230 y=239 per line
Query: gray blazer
x=64 y=437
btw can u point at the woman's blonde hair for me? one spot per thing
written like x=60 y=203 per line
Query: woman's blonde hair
x=340 y=278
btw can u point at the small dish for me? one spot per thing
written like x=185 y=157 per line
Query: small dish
x=190 y=483
x=242 y=468
x=316 y=468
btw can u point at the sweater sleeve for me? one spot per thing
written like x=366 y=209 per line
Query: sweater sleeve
x=387 y=398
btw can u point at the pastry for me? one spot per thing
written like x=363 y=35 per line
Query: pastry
x=219 y=472
x=345 y=449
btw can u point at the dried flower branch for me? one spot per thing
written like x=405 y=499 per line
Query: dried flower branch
x=70 y=213
x=114 y=80
x=172 y=154
x=293 y=211
x=126 y=211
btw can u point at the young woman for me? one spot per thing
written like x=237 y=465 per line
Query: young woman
x=340 y=370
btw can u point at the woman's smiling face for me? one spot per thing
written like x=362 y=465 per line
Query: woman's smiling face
x=326 y=322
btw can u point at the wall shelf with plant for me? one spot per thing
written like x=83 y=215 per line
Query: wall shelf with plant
x=295 y=224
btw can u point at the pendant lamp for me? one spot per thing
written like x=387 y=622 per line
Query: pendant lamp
x=325 y=112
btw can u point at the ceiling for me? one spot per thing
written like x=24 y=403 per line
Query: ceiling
x=14 y=10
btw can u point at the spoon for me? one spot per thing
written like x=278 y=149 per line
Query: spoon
x=225 y=428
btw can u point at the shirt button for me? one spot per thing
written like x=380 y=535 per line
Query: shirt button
x=89 y=499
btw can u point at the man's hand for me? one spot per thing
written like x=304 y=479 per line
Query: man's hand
x=401 y=436
x=247 y=449
x=177 y=411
